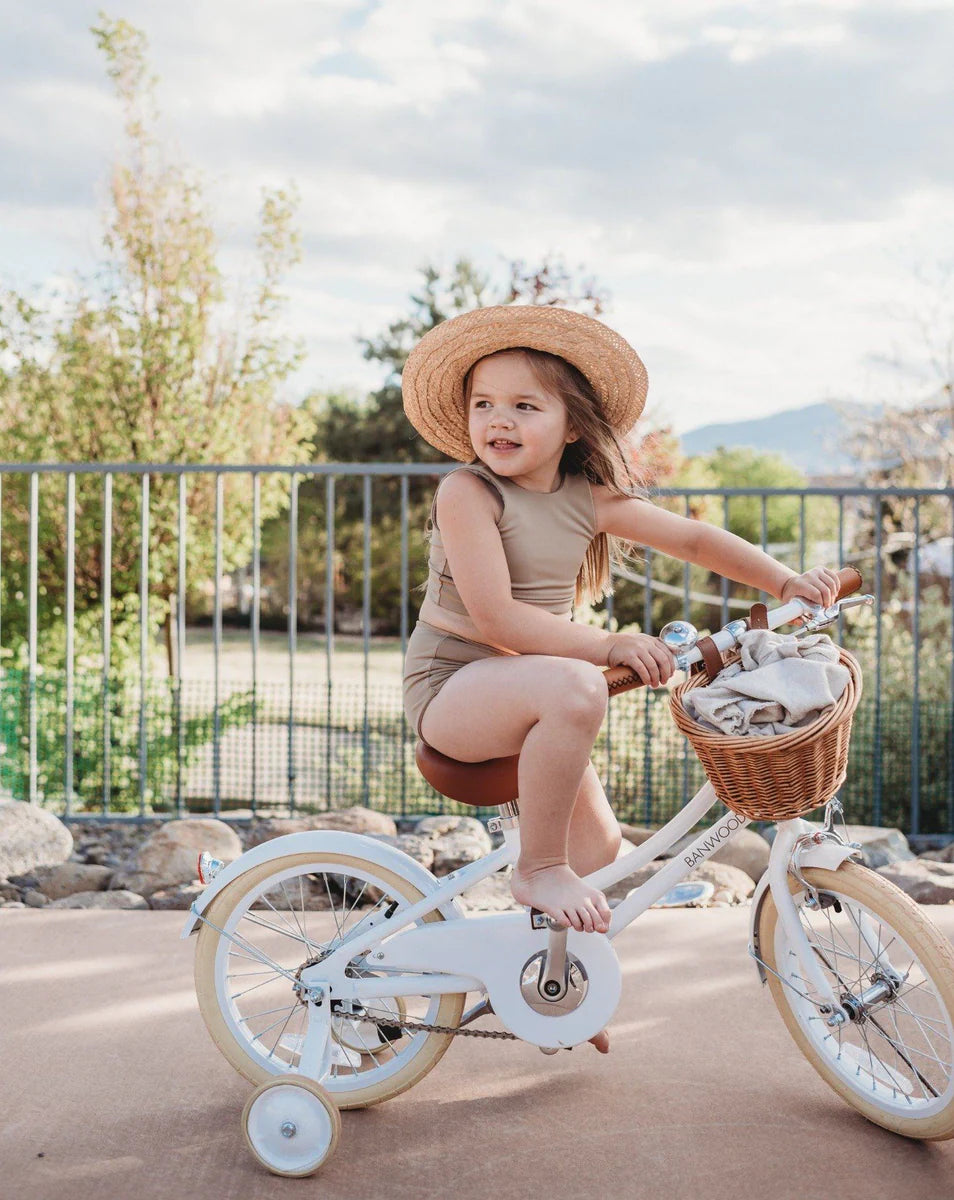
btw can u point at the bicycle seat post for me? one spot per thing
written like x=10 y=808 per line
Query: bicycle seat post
x=508 y=818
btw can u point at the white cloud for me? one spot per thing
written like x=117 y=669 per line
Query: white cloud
x=751 y=181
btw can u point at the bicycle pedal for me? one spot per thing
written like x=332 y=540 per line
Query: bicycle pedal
x=538 y=919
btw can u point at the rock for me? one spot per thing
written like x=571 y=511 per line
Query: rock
x=66 y=878
x=636 y=834
x=350 y=820
x=171 y=853
x=619 y=891
x=9 y=891
x=112 y=899
x=926 y=882
x=490 y=895
x=141 y=882
x=879 y=845
x=179 y=897
x=457 y=850
x=748 y=851
x=421 y=849
x=30 y=836
x=12 y=904
x=732 y=885
x=34 y=899
x=945 y=854
x=436 y=827
x=456 y=841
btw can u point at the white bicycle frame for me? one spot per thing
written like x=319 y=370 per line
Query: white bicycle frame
x=485 y=953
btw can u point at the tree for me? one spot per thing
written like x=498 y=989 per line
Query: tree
x=151 y=360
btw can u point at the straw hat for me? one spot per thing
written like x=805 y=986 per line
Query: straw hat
x=432 y=382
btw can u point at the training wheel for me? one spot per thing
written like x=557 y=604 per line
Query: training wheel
x=291 y=1125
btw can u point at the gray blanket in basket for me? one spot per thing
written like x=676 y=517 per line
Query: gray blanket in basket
x=780 y=684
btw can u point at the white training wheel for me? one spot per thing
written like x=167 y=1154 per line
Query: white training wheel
x=291 y=1125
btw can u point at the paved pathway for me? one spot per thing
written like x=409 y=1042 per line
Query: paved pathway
x=112 y=1089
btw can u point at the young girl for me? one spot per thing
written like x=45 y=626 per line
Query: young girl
x=534 y=399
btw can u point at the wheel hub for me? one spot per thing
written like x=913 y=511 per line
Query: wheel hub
x=883 y=988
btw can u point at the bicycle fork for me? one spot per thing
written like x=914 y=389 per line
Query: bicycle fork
x=797 y=845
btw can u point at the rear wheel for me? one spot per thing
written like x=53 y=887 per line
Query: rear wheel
x=289 y=913
x=893 y=972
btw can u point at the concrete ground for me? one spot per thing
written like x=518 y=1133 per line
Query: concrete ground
x=113 y=1090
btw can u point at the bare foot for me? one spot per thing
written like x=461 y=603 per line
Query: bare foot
x=601 y=1041
x=561 y=893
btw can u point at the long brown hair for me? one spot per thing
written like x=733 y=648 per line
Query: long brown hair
x=596 y=454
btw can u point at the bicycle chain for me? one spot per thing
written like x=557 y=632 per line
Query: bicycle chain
x=423 y=1027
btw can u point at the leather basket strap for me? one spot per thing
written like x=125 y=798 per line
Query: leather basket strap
x=710 y=657
x=758 y=616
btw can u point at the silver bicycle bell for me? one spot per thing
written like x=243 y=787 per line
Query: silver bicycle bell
x=679 y=636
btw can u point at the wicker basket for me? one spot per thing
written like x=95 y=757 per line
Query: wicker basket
x=774 y=778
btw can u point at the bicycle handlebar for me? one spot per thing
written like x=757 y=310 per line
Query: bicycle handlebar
x=624 y=679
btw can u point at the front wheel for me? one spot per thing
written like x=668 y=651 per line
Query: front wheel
x=893 y=972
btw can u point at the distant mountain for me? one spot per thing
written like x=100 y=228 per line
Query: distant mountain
x=809 y=437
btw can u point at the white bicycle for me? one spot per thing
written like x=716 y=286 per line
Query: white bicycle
x=332 y=969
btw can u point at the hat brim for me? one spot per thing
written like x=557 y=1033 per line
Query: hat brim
x=432 y=382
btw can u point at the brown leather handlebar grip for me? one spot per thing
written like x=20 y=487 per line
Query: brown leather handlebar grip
x=623 y=679
x=851 y=581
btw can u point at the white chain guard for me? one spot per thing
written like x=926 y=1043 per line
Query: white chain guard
x=494 y=949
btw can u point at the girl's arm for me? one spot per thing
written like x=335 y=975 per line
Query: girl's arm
x=711 y=547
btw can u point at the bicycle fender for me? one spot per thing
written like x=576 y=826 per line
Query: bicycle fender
x=828 y=855
x=324 y=841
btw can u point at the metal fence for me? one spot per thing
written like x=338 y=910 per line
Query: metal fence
x=87 y=549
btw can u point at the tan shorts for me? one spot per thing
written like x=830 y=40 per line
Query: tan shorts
x=432 y=658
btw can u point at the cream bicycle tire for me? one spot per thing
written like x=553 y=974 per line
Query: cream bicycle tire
x=935 y=957
x=433 y=1046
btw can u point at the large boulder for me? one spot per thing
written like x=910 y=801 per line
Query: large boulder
x=880 y=845
x=349 y=820
x=456 y=850
x=456 y=841
x=748 y=851
x=421 y=849
x=945 y=854
x=926 y=882
x=30 y=837
x=171 y=853
x=112 y=899
x=441 y=826
x=65 y=879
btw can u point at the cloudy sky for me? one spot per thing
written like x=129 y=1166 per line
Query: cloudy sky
x=764 y=188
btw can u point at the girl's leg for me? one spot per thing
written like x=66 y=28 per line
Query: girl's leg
x=595 y=837
x=549 y=710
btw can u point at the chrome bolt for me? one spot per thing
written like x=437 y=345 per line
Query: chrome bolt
x=289 y=1129
x=837 y=1018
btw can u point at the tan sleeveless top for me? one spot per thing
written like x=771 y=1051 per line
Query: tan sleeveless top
x=545 y=537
